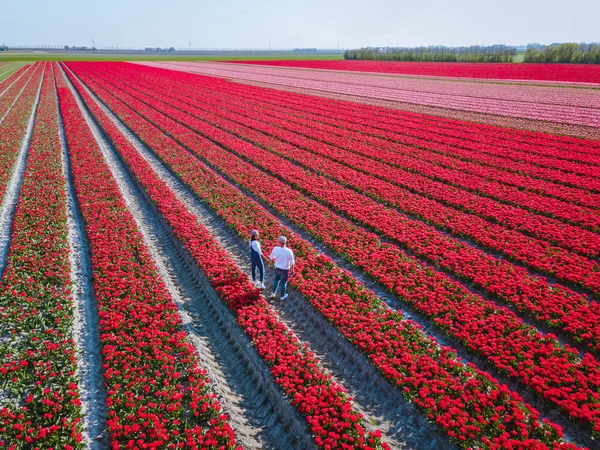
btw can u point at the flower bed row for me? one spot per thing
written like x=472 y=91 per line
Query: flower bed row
x=353 y=85
x=544 y=97
x=452 y=394
x=448 y=132
x=423 y=142
x=157 y=395
x=40 y=405
x=566 y=236
x=327 y=408
x=533 y=138
x=555 y=72
x=549 y=369
x=535 y=141
x=560 y=147
x=554 y=305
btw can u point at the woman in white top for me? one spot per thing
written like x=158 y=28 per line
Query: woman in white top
x=256 y=257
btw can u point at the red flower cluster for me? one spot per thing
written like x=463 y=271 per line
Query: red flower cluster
x=422 y=155
x=505 y=71
x=468 y=404
x=37 y=372
x=324 y=403
x=158 y=396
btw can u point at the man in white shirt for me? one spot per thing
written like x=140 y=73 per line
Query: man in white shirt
x=284 y=266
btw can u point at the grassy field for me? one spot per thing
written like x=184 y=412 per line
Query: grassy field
x=6 y=70
x=10 y=56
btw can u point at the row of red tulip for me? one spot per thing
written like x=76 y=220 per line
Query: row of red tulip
x=532 y=137
x=429 y=375
x=555 y=72
x=327 y=408
x=491 y=210
x=157 y=395
x=411 y=155
x=480 y=132
x=417 y=94
x=553 y=371
x=580 y=163
x=556 y=306
x=40 y=404
x=405 y=123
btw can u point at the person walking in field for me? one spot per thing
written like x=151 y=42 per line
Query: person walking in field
x=256 y=257
x=284 y=266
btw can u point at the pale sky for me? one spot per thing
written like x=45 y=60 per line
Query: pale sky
x=301 y=23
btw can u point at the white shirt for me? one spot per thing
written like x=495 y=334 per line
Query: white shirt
x=255 y=245
x=283 y=256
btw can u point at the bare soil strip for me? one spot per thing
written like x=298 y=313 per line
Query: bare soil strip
x=258 y=410
x=86 y=330
x=11 y=195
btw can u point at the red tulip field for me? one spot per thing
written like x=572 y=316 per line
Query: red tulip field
x=445 y=222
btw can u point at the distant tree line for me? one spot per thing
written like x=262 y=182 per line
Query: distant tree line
x=563 y=53
x=159 y=50
x=473 y=53
x=74 y=48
